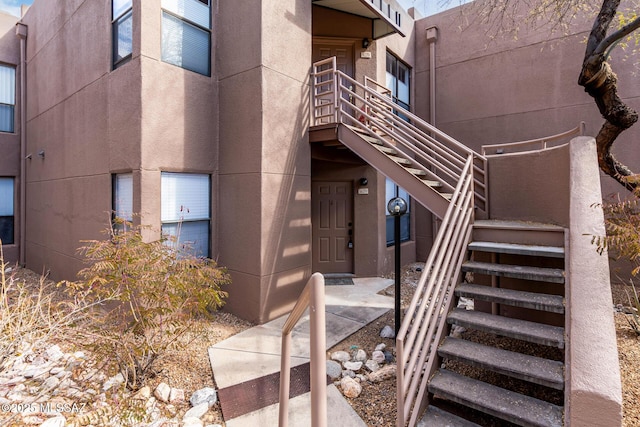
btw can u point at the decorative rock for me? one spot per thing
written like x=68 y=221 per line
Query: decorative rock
x=58 y=421
x=192 y=422
x=340 y=356
x=197 y=411
x=378 y=356
x=53 y=353
x=51 y=383
x=352 y=366
x=350 y=387
x=388 y=357
x=372 y=365
x=206 y=394
x=176 y=395
x=114 y=381
x=348 y=373
x=334 y=369
x=360 y=355
x=382 y=374
x=380 y=347
x=387 y=332
x=162 y=392
x=143 y=394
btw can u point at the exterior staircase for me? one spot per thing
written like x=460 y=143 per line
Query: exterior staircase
x=507 y=367
x=510 y=265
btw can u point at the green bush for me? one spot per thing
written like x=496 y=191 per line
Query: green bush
x=150 y=294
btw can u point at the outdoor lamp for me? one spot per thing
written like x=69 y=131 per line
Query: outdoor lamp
x=397 y=207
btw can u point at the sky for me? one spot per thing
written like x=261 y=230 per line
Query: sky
x=426 y=7
x=13 y=6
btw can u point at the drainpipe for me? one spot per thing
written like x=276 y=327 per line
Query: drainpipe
x=432 y=37
x=21 y=32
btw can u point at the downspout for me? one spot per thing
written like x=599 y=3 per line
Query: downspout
x=432 y=37
x=21 y=32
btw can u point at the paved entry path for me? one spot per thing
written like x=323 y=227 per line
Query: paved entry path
x=246 y=366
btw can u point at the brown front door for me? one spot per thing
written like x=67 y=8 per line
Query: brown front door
x=332 y=226
x=342 y=51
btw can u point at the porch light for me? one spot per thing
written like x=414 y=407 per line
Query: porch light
x=365 y=43
x=397 y=207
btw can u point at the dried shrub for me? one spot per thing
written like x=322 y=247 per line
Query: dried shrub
x=150 y=293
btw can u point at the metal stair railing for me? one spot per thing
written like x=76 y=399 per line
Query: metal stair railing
x=537 y=144
x=337 y=98
x=424 y=324
x=312 y=297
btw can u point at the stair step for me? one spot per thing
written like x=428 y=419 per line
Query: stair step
x=518 y=232
x=400 y=160
x=513 y=248
x=525 y=330
x=507 y=405
x=541 y=274
x=436 y=417
x=532 y=300
x=537 y=370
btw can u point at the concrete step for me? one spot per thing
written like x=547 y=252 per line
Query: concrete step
x=532 y=300
x=517 y=249
x=436 y=417
x=541 y=274
x=524 y=330
x=507 y=405
x=533 y=369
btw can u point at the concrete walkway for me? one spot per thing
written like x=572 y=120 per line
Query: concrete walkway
x=255 y=352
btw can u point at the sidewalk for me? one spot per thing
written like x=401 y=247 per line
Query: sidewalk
x=245 y=366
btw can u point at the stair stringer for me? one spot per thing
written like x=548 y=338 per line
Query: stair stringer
x=427 y=196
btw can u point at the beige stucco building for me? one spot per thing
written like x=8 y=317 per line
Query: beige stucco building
x=204 y=117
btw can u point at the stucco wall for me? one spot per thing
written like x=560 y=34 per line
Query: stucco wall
x=10 y=142
x=264 y=179
x=507 y=89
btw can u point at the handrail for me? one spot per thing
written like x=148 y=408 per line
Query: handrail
x=537 y=144
x=312 y=296
x=336 y=98
x=424 y=324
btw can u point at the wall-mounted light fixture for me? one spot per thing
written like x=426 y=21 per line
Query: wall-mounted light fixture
x=364 y=181
x=41 y=154
x=365 y=43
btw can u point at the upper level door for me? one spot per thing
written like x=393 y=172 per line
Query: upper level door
x=343 y=51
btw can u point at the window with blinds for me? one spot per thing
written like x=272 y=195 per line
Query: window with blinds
x=7 y=218
x=185 y=210
x=123 y=196
x=186 y=34
x=122 y=31
x=7 y=98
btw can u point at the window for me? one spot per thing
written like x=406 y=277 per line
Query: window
x=398 y=81
x=186 y=210
x=7 y=98
x=123 y=196
x=186 y=34
x=392 y=190
x=122 y=29
x=6 y=211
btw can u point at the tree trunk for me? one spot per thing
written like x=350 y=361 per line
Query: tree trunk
x=600 y=82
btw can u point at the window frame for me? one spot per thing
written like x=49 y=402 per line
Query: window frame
x=12 y=217
x=405 y=220
x=115 y=22
x=115 y=199
x=181 y=221
x=186 y=21
x=12 y=106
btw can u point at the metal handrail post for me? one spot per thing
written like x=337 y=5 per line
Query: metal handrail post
x=318 y=356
